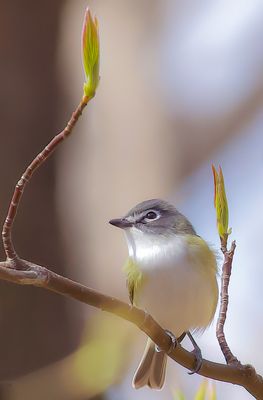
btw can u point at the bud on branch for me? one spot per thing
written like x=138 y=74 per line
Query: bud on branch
x=90 y=54
x=221 y=206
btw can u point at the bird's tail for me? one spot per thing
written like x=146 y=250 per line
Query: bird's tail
x=151 y=370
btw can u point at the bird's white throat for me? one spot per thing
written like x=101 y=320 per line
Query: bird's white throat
x=151 y=250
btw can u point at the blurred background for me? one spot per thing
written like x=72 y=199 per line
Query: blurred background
x=181 y=87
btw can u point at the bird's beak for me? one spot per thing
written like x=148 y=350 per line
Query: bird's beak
x=121 y=223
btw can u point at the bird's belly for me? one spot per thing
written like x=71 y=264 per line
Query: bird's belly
x=179 y=296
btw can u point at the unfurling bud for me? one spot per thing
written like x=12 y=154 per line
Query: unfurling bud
x=90 y=53
x=220 y=202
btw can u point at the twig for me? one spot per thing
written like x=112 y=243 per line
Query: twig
x=25 y=178
x=26 y=273
x=224 y=297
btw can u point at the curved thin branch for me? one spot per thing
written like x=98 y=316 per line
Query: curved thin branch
x=27 y=175
x=26 y=273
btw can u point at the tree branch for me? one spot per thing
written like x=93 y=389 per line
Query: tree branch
x=225 y=280
x=27 y=175
x=26 y=273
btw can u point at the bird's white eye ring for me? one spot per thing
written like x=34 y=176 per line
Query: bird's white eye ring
x=151 y=215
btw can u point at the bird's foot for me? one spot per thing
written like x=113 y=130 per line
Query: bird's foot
x=198 y=355
x=173 y=343
x=198 y=361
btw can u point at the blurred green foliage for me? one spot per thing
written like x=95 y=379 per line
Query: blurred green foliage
x=204 y=392
x=101 y=359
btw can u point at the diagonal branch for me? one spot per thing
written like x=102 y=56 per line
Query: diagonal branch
x=26 y=273
x=27 y=175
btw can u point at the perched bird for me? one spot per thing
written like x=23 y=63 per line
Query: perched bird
x=171 y=274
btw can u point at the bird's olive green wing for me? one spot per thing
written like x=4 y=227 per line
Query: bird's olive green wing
x=204 y=258
x=134 y=279
x=201 y=252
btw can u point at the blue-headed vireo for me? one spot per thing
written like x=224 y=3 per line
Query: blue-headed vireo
x=171 y=274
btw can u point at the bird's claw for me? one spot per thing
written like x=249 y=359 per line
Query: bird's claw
x=173 y=343
x=197 y=353
x=198 y=361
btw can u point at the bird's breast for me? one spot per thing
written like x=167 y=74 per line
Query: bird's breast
x=176 y=290
x=152 y=252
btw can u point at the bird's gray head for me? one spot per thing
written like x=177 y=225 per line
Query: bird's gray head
x=155 y=217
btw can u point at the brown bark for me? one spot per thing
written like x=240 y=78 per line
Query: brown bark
x=224 y=299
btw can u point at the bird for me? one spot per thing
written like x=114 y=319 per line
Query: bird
x=171 y=273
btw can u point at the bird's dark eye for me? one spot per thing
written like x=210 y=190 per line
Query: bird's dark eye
x=151 y=215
